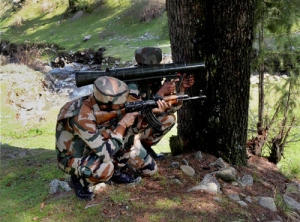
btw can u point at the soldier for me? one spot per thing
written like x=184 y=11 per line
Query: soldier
x=86 y=149
x=149 y=137
x=83 y=149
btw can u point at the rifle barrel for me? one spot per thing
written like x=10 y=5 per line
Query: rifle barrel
x=83 y=78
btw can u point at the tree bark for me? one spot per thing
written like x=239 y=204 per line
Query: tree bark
x=221 y=33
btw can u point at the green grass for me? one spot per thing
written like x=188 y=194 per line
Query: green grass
x=112 y=26
x=24 y=182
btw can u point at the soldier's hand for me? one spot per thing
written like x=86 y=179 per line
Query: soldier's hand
x=128 y=119
x=162 y=106
x=168 y=88
x=187 y=82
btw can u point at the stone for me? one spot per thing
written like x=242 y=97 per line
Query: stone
x=267 y=202
x=234 y=196
x=247 y=180
x=293 y=204
x=242 y=203
x=219 y=162
x=198 y=155
x=187 y=170
x=227 y=174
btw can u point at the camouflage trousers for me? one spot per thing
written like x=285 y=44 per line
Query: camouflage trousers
x=134 y=155
x=92 y=171
x=89 y=168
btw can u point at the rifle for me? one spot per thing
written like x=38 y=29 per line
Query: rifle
x=145 y=107
x=138 y=73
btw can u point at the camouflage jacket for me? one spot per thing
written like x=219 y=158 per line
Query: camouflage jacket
x=77 y=130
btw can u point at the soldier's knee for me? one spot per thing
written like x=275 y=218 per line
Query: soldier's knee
x=150 y=167
x=105 y=171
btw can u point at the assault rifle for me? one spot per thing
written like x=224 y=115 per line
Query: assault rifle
x=145 y=107
x=138 y=73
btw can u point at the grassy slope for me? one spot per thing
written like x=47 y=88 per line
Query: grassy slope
x=112 y=26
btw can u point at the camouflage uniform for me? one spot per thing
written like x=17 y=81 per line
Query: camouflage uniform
x=135 y=155
x=89 y=149
x=141 y=132
x=83 y=147
x=152 y=56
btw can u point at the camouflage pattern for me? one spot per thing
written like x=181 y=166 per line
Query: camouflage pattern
x=90 y=151
x=134 y=93
x=148 y=56
x=108 y=89
x=82 y=147
x=134 y=155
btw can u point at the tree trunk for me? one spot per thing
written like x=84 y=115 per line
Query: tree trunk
x=220 y=32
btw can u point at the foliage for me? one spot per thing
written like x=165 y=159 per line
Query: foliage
x=277 y=54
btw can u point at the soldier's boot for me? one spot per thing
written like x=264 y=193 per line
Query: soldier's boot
x=82 y=192
x=153 y=154
x=120 y=177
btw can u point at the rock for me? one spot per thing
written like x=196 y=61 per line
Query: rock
x=293 y=204
x=187 y=170
x=227 y=174
x=209 y=183
x=199 y=187
x=208 y=179
x=185 y=162
x=177 y=181
x=247 y=180
x=219 y=163
x=234 y=196
x=211 y=187
x=198 y=155
x=56 y=185
x=175 y=165
x=242 y=203
x=87 y=38
x=248 y=199
x=267 y=202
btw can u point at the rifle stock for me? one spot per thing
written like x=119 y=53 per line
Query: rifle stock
x=83 y=78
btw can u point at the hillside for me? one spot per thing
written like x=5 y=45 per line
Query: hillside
x=119 y=26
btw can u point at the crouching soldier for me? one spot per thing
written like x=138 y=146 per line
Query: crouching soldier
x=85 y=149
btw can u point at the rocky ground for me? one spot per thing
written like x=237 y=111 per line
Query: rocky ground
x=263 y=196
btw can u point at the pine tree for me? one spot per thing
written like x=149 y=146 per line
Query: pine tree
x=276 y=54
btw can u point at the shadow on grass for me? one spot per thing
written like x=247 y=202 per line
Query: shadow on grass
x=24 y=180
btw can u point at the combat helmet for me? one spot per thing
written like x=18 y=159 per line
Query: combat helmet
x=109 y=90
